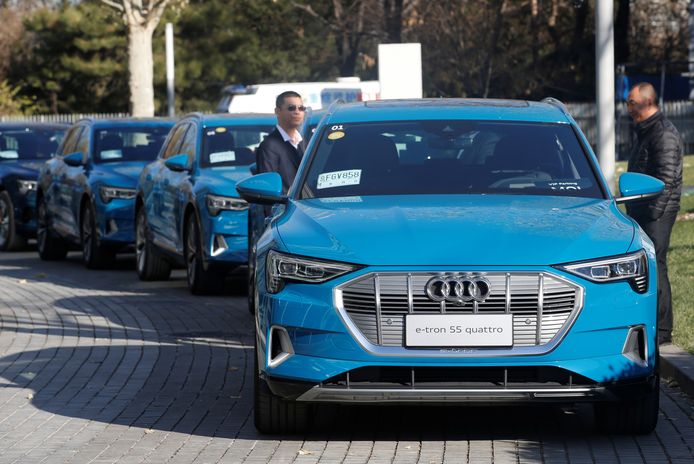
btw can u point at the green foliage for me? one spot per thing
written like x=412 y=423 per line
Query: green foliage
x=12 y=102
x=73 y=60
x=237 y=42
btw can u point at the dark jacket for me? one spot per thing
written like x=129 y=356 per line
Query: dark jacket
x=657 y=151
x=276 y=155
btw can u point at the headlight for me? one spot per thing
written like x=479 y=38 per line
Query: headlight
x=215 y=204
x=110 y=193
x=26 y=186
x=632 y=267
x=280 y=268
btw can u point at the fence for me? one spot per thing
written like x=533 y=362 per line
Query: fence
x=681 y=113
x=61 y=118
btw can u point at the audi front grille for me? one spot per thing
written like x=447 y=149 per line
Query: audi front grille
x=543 y=306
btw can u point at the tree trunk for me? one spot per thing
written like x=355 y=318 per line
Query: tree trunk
x=141 y=65
x=497 y=8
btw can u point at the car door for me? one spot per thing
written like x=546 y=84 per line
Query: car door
x=153 y=186
x=176 y=188
x=74 y=184
x=54 y=172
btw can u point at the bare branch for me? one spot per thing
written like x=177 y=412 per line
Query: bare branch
x=113 y=4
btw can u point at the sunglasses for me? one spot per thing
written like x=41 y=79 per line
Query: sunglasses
x=294 y=108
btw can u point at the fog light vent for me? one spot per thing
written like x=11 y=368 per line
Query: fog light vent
x=112 y=227
x=635 y=346
x=219 y=245
x=280 y=347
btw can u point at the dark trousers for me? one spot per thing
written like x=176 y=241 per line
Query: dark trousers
x=659 y=232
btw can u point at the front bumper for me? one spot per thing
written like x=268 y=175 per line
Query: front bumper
x=323 y=347
x=226 y=238
x=116 y=221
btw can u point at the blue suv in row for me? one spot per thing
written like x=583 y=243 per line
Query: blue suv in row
x=86 y=194
x=24 y=147
x=453 y=251
x=188 y=213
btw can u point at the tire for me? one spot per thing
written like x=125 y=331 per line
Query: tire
x=632 y=417
x=200 y=281
x=150 y=266
x=50 y=247
x=94 y=254
x=251 y=269
x=272 y=414
x=10 y=240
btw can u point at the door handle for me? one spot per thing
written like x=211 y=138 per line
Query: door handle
x=148 y=177
x=166 y=182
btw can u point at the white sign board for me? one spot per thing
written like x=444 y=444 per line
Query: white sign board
x=400 y=70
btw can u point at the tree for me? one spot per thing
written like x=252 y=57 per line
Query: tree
x=71 y=60
x=141 y=18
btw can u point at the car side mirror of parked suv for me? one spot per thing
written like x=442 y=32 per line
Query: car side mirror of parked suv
x=74 y=159
x=634 y=186
x=264 y=189
x=178 y=163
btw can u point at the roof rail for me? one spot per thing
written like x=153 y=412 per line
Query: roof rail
x=335 y=103
x=554 y=102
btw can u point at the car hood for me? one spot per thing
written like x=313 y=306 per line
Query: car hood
x=455 y=229
x=25 y=169
x=222 y=180
x=123 y=174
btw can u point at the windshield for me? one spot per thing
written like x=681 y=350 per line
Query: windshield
x=29 y=143
x=232 y=145
x=139 y=143
x=449 y=157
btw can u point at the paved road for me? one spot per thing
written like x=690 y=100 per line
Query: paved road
x=97 y=367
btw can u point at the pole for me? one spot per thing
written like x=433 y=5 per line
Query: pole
x=170 y=70
x=604 y=77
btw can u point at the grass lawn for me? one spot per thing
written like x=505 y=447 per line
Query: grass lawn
x=681 y=262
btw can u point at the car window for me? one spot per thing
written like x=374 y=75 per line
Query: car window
x=450 y=157
x=70 y=141
x=189 y=141
x=129 y=143
x=175 y=140
x=83 y=142
x=232 y=145
x=29 y=143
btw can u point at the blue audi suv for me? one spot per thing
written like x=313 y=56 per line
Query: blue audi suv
x=453 y=251
x=188 y=213
x=24 y=147
x=86 y=194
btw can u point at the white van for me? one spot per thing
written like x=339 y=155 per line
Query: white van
x=260 y=98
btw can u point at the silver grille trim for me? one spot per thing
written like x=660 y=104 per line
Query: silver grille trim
x=544 y=306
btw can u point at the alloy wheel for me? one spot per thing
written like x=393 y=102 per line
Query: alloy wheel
x=4 y=223
x=191 y=251
x=41 y=225
x=87 y=234
x=140 y=242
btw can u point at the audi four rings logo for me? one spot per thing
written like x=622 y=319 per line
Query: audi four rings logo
x=458 y=289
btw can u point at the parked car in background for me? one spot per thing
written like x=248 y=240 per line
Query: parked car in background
x=453 y=251
x=188 y=211
x=24 y=147
x=86 y=194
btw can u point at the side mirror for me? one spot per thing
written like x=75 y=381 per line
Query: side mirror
x=254 y=168
x=264 y=189
x=634 y=186
x=178 y=163
x=74 y=159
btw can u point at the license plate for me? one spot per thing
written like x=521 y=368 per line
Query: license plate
x=459 y=330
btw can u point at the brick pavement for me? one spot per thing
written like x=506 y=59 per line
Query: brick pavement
x=97 y=367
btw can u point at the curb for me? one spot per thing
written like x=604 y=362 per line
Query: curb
x=678 y=365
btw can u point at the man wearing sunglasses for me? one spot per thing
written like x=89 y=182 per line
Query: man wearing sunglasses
x=281 y=151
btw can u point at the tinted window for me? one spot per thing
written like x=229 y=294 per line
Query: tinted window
x=188 y=144
x=83 y=143
x=450 y=157
x=174 y=144
x=29 y=143
x=71 y=140
x=232 y=145
x=139 y=143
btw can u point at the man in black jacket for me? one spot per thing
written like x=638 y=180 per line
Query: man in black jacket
x=658 y=153
x=282 y=149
